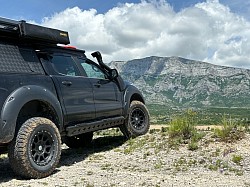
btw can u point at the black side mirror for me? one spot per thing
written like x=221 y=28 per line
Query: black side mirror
x=114 y=73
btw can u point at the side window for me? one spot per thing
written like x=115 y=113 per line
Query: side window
x=92 y=70
x=64 y=65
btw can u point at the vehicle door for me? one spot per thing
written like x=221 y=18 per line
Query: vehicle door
x=107 y=97
x=75 y=90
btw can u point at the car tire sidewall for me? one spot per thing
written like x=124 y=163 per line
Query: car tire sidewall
x=136 y=105
x=20 y=155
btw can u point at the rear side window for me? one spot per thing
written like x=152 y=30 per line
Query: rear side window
x=16 y=59
x=64 y=65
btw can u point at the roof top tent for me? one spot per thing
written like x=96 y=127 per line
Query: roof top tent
x=32 y=33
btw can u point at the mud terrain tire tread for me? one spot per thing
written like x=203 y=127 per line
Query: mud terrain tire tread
x=20 y=148
x=128 y=129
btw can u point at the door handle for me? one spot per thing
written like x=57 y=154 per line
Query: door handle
x=67 y=83
x=97 y=85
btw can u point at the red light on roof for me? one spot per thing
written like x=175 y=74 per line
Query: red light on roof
x=68 y=47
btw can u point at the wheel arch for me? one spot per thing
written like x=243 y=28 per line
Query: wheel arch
x=25 y=101
x=37 y=108
x=137 y=97
x=132 y=94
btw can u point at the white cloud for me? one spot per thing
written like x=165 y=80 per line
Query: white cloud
x=207 y=31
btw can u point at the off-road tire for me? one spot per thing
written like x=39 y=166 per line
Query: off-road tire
x=137 y=122
x=78 y=141
x=36 y=149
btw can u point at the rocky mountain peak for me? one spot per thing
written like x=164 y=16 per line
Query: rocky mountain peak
x=183 y=82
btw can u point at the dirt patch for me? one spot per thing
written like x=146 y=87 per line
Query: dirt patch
x=199 y=127
x=144 y=161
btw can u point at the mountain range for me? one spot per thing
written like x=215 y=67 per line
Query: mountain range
x=179 y=82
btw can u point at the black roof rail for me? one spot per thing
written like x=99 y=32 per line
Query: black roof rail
x=32 y=33
x=10 y=21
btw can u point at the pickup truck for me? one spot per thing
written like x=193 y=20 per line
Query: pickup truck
x=51 y=93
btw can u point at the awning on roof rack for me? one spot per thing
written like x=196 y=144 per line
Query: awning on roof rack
x=9 y=26
x=33 y=33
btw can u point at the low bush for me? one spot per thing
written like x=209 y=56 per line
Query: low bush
x=183 y=126
x=182 y=130
x=230 y=131
x=237 y=159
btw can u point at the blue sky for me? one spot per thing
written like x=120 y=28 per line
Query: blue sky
x=216 y=31
x=36 y=9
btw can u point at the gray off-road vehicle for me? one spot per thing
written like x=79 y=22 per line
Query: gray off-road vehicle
x=52 y=94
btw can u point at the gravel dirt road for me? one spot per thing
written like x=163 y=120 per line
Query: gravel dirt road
x=144 y=161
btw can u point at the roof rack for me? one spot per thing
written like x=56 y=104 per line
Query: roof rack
x=7 y=25
x=31 y=32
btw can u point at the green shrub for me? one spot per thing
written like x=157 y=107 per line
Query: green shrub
x=183 y=126
x=182 y=130
x=237 y=159
x=231 y=130
x=193 y=146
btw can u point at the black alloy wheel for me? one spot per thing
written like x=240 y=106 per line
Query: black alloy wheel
x=137 y=122
x=42 y=148
x=137 y=118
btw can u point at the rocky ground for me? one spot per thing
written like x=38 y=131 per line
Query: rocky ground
x=145 y=161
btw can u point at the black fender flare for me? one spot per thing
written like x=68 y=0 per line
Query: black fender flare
x=14 y=103
x=131 y=92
